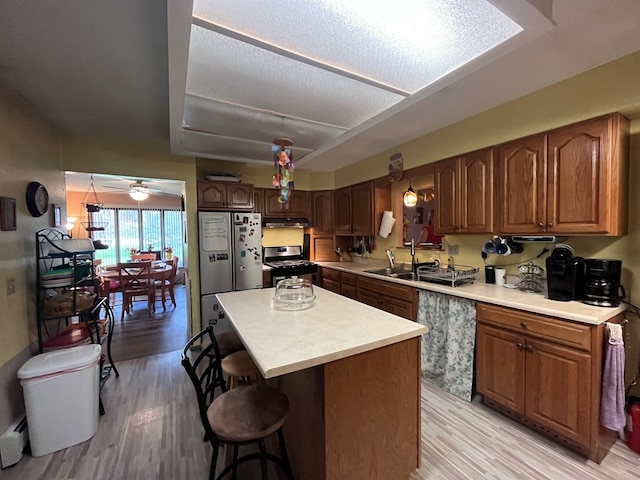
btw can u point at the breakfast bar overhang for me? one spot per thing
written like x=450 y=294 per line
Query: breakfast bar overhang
x=352 y=375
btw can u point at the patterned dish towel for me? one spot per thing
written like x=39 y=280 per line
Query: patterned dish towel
x=612 y=401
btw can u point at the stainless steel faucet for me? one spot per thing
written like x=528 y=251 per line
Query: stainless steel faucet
x=392 y=260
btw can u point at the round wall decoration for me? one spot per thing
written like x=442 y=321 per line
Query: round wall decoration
x=37 y=199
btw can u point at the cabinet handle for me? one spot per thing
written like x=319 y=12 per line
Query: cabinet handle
x=540 y=225
x=520 y=346
x=523 y=325
x=549 y=224
x=528 y=348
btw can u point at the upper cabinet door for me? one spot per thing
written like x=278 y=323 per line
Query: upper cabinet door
x=342 y=210
x=212 y=195
x=224 y=196
x=522 y=184
x=240 y=196
x=298 y=206
x=258 y=200
x=322 y=212
x=579 y=179
x=447 y=194
x=362 y=205
x=476 y=192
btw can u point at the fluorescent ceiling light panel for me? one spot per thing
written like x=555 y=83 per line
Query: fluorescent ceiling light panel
x=406 y=44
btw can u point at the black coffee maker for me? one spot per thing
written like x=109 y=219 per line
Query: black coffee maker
x=565 y=275
x=602 y=282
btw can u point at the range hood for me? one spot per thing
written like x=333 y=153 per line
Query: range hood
x=285 y=222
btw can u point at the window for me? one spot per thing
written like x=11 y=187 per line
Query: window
x=138 y=229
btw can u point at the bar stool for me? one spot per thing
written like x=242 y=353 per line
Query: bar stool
x=240 y=366
x=245 y=415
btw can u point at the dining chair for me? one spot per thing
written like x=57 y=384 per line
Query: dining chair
x=135 y=281
x=168 y=284
x=143 y=257
x=245 y=415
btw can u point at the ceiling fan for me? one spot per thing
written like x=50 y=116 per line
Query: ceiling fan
x=140 y=191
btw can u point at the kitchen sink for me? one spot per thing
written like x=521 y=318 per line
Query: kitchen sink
x=388 y=272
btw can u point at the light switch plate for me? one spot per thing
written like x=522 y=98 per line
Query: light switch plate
x=452 y=249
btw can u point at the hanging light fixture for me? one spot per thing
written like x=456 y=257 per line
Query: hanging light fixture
x=139 y=191
x=410 y=197
x=284 y=168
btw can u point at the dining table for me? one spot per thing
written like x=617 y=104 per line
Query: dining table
x=160 y=271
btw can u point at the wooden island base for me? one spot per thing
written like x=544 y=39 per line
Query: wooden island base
x=356 y=418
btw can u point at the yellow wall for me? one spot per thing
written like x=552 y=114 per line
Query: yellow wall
x=275 y=237
x=29 y=151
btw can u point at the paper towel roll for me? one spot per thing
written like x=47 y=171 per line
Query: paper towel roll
x=386 y=224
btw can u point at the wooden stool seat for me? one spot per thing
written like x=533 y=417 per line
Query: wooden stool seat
x=248 y=413
x=228 y=343
x=238 y=365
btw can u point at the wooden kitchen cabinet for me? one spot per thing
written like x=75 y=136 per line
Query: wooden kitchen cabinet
x=297 y=208
x=572 y=180
x=342 y=210
x=401 y=300
x=348 y=285
x=546 y=373
x=224 y=196
x=258 y=200
x=464 y=193
x=330 y=279
x=358 y=209
x=322 y=218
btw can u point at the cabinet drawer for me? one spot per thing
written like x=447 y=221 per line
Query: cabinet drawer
x=557 y=330
x=331 y=274
x=348 y=279
x=330 y=285
x=389 y=289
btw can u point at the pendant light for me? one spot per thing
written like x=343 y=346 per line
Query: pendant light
x=410 y=198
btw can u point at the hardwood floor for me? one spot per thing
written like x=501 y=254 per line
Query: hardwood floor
x=151 y=430
x=140 y=334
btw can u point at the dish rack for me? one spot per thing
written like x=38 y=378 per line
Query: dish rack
x=451 y=275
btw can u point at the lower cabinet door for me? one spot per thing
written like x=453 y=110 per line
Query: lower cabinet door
x=398 y=307
x=370 y=298
x=331 y=285
x=349 y=291
x=500 y=368
x=559 y=389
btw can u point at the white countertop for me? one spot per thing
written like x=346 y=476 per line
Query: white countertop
x=334 y=327
x=488 y=293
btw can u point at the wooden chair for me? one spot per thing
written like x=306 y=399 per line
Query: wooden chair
x=168 y=284
x=143 y=257
x=135 y=281
x=244 y=415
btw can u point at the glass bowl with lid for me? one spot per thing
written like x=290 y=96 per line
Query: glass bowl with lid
x=294 y=294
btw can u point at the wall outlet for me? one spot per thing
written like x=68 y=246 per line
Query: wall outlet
x=11 y=286
x=452 y=249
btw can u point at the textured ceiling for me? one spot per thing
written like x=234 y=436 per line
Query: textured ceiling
x=120 y=68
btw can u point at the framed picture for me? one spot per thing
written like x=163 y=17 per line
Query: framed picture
x=56 y=215
x=7 y=213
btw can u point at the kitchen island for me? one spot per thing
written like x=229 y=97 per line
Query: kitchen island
x=352 y=375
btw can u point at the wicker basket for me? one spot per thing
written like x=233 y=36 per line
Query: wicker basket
x=62 y=305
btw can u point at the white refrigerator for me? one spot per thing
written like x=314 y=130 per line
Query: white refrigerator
x=230 y=259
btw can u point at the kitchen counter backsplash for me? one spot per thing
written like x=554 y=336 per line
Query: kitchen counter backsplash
x=489 y=293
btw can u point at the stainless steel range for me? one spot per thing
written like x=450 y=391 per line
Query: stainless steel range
x=287 y=262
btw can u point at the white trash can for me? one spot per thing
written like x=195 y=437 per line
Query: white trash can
x=61 y=395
